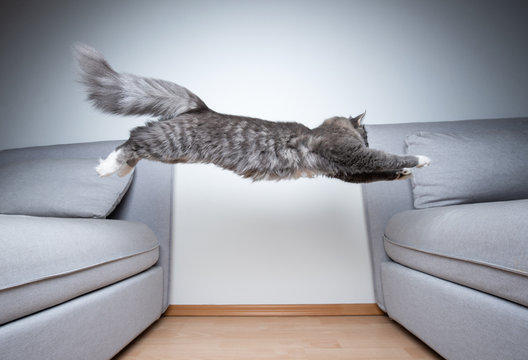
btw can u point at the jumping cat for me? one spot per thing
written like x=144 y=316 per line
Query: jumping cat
x=187 y=131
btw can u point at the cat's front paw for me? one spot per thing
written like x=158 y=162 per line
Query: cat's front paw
x=403 y=174
x=423 y=161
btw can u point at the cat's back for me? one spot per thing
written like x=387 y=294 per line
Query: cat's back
x=244 y=128
x=251 y=147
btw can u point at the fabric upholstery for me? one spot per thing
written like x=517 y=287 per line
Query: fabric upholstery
x=148 y=200
x=98 y=324
x=458 y=322
x=60 y=188
x=482 y=246
x=470 y=166
x=46 y=261
x=383 y=199
x=95 y=326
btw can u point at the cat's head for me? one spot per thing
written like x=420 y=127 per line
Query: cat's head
x=357 y=123
x=354 y=123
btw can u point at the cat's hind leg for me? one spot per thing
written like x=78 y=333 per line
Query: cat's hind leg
x=120 y=161
x=114 y=163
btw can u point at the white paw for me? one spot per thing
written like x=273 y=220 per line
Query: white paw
x=423 y=161
x=110 y=165
x=124 y=170
x=404 y=173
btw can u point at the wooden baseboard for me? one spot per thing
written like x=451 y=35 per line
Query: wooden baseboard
x=274 y=310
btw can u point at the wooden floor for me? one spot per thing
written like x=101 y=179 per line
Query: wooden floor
x=255 y=338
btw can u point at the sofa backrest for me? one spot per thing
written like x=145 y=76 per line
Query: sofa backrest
x=383 y=199
x=148 y=200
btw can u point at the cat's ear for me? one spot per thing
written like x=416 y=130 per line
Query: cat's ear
x=358 y=120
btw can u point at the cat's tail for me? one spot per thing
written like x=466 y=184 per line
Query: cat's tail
x=127 y=94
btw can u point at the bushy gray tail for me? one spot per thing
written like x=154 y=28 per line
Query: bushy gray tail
x=127 y=94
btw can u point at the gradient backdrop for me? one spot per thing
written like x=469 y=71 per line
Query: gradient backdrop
x=237 y=242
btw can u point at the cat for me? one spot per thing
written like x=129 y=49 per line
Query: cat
x=187 y=131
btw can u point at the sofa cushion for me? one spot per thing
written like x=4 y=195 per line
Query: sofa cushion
x=59 y=188
x=46 y=261
x=483 y=246
x=470 y=166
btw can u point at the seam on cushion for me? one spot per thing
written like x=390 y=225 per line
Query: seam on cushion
x=488 y=288
x=69 y=272
x=430 y=252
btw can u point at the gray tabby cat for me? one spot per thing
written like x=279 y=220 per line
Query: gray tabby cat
x=189 y=132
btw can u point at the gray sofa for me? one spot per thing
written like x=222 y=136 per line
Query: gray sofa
x=83 y=288
x=449 y=247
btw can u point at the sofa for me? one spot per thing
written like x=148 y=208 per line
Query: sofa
x=84 y=261
x=449 y=247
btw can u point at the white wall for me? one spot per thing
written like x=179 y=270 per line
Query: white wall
x=290 y=242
